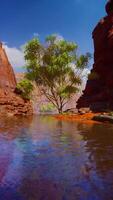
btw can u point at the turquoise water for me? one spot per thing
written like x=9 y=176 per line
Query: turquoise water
x=42 y=158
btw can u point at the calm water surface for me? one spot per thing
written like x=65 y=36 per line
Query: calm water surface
x=45 y=159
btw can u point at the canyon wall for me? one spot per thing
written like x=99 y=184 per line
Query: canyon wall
x=7 y=76
x=98 y=94
x=10 y=102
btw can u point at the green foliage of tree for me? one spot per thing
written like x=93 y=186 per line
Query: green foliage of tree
x=24 y=88
x=54 y=67
x=47 y=107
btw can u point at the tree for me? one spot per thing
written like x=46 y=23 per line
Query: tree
x=56 y=68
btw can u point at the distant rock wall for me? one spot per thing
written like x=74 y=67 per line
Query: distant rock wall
x=98 y=94
x=38 y=100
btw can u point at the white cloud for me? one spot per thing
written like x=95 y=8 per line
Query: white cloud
x=36 y=34
x=59 y=37
x=15 y=56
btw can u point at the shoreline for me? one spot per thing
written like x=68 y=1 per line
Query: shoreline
x=82 y=118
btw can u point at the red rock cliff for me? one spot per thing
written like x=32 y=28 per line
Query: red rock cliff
x=98 y=94
x=10 y=102
x=7 y=76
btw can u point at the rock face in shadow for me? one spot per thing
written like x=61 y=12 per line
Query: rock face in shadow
x=98 y=94
x=10 y=102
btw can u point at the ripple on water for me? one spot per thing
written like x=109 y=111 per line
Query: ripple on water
x=42 y=158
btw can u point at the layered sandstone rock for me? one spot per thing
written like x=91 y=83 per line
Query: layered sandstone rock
x=98 y=94
x=10 y=102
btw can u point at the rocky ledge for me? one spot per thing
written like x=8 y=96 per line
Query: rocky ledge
x=12 y=104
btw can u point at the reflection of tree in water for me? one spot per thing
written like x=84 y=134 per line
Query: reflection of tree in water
x=34 y=185
x=69 y=137
x=79 y=154
x=99 y=143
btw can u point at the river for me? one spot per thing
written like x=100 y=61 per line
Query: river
x=42 y=158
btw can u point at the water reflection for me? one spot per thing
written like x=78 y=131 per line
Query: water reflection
x=45 y=159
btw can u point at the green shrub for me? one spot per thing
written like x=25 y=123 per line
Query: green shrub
x=47 y=107
x=24 y=88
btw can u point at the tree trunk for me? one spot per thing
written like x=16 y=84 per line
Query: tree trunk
x=60 y=110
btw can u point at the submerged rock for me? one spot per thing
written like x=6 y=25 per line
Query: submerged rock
x=103 y=118
x=98 y=94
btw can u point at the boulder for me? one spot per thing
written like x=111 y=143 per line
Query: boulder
x=71 y=110
x=84 y=110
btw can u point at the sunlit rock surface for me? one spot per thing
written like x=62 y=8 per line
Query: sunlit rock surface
x=7 y=77
x=10 y=102
x=98 y=94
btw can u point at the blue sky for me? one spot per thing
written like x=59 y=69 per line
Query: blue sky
x=73 y=19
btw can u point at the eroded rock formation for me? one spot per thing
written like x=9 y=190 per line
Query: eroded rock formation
x=98 y=94
x=10 y=102
x=7 y=77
